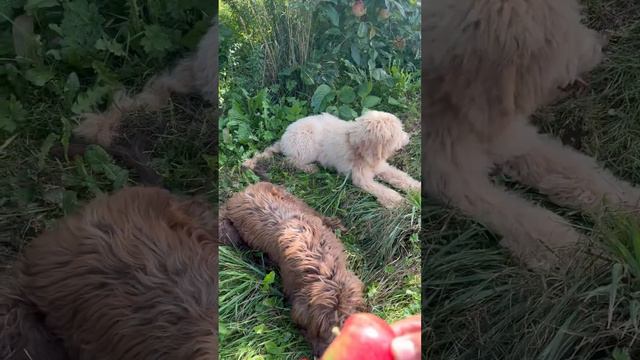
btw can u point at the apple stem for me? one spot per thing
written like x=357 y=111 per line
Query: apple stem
x=335 y=331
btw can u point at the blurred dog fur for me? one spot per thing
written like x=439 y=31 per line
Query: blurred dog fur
x=322 y=291
x=490 y=65
x=130 y=276
x=194 y=74
x=360 y=148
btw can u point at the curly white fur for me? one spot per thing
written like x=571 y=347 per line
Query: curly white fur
x=490 y=65
x=359 y=148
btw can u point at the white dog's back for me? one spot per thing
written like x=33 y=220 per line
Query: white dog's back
x=320 y=138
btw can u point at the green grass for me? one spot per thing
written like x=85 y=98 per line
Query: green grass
x=479 y=304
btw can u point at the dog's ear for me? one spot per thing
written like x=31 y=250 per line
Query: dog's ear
x=369 y=139
x=228 y=234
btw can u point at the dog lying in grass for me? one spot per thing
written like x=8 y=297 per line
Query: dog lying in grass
x=360 y=148
x=131 y=276
x=490 y=65
x=194 y=74
x=321 y=289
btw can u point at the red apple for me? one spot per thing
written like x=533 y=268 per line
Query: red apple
x=363 y=336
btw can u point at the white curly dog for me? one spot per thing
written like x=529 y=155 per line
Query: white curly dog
x=359 y=148
x=489 y=66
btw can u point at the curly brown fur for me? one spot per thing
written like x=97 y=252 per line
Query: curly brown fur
x=23 y=335
x=195 y=73
x=131 y=276
x=316 y=280
x=490 y=65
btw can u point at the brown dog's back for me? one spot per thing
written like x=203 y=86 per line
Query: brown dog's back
x=132 y=276
x=322 y=290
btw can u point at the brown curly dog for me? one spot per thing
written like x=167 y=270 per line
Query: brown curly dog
x=131 y=276
x=322 y=291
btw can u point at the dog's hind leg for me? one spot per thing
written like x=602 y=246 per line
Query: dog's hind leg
x=397 y=178
x=568 y=177
x=23 y=334
x=229 y=235
x=534 y=235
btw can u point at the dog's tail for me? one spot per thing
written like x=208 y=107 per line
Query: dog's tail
x=266 y=154
x=101 y=128
x=23 y=334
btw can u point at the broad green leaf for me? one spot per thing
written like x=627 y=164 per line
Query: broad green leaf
x=73 y=84
x=156 y=41
x=11 y=114
x=393 y=101
x=260 y=329
x=45 y=148
x=25 y=44
x=370 y=101
x=379 y=74
x=319 y=96
x=364 y=89
x=273 y=348
x=110 y=45
x=96 y=156
x=347 y=113
x=268 y=280
x=39 y=76
x=362 y=29
x=39 y=4
x=333 y=16
x=81 y=27
x=89 y=99
x=355 y=55
x=346 y=95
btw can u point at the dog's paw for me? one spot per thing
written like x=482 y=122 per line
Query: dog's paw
x=391 y=200
x=249 y=164
x=98 y=128
x=415 y=186
x=546 y=252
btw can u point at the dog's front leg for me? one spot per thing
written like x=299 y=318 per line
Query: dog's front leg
x=536 y=236
x=397 y=178
x=567 y=176
x=363 y=178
